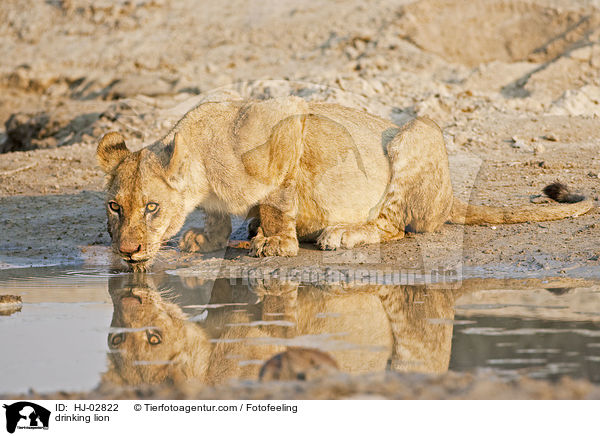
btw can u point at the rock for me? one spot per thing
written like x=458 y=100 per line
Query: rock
x=298 y=364
x=538 y=148
x=527 y=145
x=147 y=84
x=10 y=304
x=582 y=101
x=583 y=53
x=10 y=300
x=518 y=143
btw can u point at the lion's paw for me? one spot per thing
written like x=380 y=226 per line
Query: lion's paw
x=279 y=245
x=346 y=236
x=196 y=241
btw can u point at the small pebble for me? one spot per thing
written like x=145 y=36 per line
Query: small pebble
x=550 y=137
x=518 y=143
x=538 y=148
x=10 y=300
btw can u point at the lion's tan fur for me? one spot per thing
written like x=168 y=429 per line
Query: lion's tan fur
x=317 y=171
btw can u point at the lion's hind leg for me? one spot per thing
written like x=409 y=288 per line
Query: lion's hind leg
x=352 y=235
x=418 y=197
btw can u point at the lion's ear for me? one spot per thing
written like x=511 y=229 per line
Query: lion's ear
x=111 y=151
x=179 y=156
x=272 y=161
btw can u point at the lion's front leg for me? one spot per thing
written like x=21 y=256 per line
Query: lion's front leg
x=276 y=235
x=213 y=237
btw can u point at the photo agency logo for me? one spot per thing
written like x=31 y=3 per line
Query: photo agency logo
x=25 y=415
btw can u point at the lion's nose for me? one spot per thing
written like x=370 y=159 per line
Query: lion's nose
x=128 y=248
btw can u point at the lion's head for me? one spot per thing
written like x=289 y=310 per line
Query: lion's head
x=151 y=341
x=145 y=203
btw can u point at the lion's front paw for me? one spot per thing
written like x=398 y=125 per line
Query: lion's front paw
x=346 y=236
x=196 y=241
x=279 y=245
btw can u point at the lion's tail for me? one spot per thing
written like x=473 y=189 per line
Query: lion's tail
x=571 y=205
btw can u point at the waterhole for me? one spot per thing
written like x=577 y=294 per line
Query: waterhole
x=79 y=329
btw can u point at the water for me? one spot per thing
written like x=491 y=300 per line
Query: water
x=78 y=329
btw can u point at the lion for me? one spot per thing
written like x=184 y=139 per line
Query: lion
x=351 y=328
x=309 y=171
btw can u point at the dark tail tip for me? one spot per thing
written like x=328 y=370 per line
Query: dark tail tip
x=559 y=192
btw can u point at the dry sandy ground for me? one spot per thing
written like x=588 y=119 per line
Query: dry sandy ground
x=374 y=386
x=515 y=85
x=489 y=72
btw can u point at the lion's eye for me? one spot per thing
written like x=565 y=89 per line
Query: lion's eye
x=151 y=207
x=114 y=206
x=116 y=339
x=153 y=337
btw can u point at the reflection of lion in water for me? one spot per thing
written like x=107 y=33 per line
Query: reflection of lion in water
x=365 y=329
x=298 y=363
x=150 y=332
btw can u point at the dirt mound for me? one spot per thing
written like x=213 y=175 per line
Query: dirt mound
x=499 y=30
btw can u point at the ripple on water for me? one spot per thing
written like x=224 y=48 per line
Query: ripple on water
x=62 y=339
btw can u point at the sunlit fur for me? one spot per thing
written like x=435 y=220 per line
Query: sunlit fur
x=315 y=171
